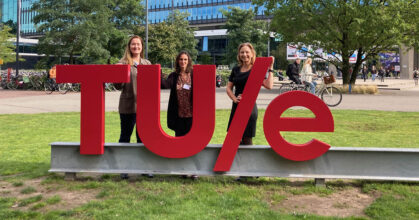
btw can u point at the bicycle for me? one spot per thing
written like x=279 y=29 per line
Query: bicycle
x=109 y=87
x=50 y=85
x=18 y=82
x=63 y=88
x=330 y=95
x=286 y=87
x=75 y=87
x=3 y=80
x=36 y=80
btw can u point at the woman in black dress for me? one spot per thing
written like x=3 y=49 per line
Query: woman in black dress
x=246 y=58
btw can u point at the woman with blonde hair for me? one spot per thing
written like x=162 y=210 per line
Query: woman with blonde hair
x=246 y=58
x=134 y=56
x=307 y=75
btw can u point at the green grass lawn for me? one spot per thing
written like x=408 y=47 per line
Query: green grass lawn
x=25 y=156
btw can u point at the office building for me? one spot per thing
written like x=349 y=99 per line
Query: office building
x=207 y=16
x=8 y=11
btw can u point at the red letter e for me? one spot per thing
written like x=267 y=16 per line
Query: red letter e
x=273 y=123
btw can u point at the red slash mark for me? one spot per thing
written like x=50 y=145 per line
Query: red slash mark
x=242 y=114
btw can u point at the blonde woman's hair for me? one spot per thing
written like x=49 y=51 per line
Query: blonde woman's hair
x=308 y=61
x=127 y=58
x=252 y=49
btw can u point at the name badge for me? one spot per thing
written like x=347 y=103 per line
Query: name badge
x=186 y=86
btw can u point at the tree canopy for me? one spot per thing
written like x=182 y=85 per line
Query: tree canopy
x=168 y=38
x=242 y=27
x=344 y=27
x=7 y=49
x=94 y=31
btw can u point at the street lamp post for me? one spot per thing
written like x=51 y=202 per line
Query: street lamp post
x=18 y=36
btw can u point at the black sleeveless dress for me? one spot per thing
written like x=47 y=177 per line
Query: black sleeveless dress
x=239 y=80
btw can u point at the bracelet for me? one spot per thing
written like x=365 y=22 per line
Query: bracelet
x=270 y=70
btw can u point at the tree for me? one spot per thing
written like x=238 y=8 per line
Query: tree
x=205 y=58
x=343 y=27
x=162 y=42
x=168 y=38
x=280 y=54
x=62 y=22
x=94 y=30
x=7 y=49
x=242 y=27
x=184 y=33
x=12 y=25
x=113 y=23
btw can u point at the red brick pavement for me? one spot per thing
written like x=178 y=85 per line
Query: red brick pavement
x=5 y=93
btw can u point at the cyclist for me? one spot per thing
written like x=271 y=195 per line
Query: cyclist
x=292 y=71
x=307 y=75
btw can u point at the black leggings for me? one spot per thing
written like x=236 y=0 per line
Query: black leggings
x=128 y=122
x=183 y=126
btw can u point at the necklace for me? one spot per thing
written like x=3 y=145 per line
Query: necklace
x=185 y=78
x=245 y=68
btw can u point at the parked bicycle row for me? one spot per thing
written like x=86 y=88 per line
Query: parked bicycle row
x=39 y=81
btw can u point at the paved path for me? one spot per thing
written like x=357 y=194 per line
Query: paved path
x=12 y=102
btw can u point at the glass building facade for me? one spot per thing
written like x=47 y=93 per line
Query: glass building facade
x=206 y=15
x=200 y=11
x=8 y=10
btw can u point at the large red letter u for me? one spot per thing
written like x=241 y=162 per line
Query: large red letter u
x=148 y=113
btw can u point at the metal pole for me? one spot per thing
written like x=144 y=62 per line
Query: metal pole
x=269 y=39
x=146 y=29
x=18 y=36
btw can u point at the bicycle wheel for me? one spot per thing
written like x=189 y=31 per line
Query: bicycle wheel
x=75 y=87
x=62 y=88
x=48 y=87
x=12 y=85
x=36 y=83
x=332 y=96
x=285 y=88
x=112 y=87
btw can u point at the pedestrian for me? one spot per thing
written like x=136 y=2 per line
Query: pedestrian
x=179 y=111
x=365 y=73
x=416 y=76
x=373 y=73
x=381 y=74
x=307 y=75
x=134 y=56
x=293 y=71
x=246 y=58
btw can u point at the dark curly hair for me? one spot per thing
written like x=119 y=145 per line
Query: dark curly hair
x=188 y=67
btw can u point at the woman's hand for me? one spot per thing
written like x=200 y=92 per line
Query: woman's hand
x=238 y=98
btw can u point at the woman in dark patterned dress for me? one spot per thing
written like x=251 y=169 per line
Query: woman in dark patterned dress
x=246 y=58
x=179 y=112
